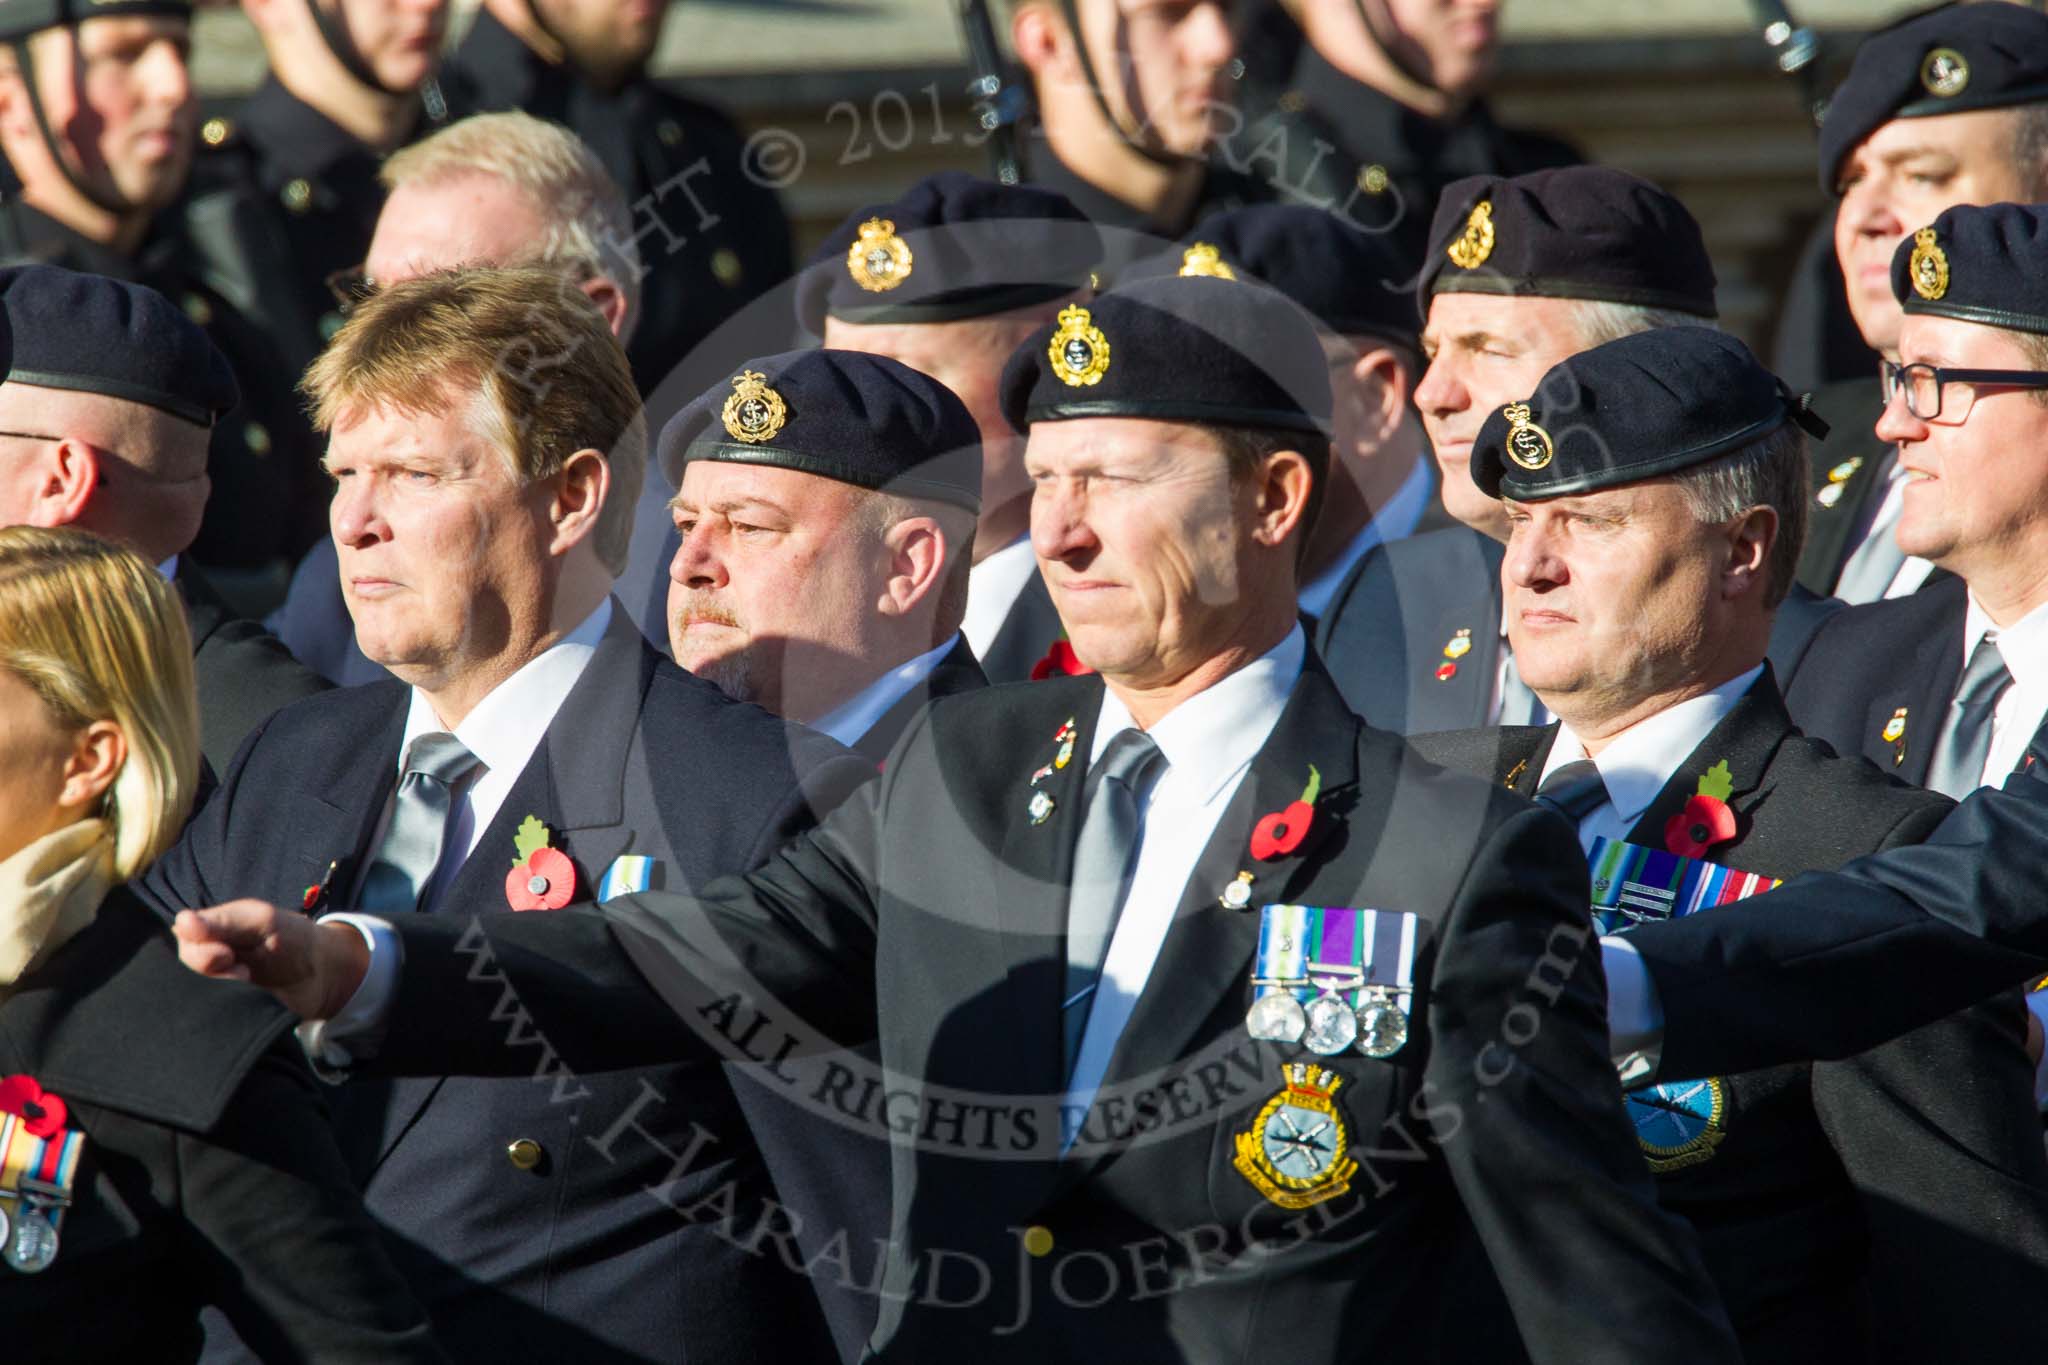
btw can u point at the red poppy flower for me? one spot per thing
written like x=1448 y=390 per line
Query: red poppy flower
x=311 y=898
x=1705 y=821
x=545 y=881
x=42 y=1113
x=1281 y=833
x=1059 y=661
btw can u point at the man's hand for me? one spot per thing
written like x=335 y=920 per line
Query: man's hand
x=312 y=968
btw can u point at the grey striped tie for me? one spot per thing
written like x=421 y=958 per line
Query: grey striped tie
x=1957 y=765
x=399 y=875
x=1103 y=855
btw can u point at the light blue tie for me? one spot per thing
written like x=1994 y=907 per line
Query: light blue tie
x=403 y=869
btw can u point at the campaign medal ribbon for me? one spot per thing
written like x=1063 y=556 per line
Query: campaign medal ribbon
x=1635 y=885
x=1330 y=978
x=36 y=1176
x=631 y=874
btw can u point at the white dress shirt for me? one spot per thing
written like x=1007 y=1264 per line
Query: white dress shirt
x=993 y=587
x=168 y=569
x=857 y=715
x=1397 y=518
x=1209 y=742
x=1637 y=763
x=502 y=731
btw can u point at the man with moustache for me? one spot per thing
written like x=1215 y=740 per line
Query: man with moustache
x=1948 y=108
x=1647 y=550
x=530 y=748
x=948 y=278
x=98 y=121
x=1520 y=274
x=1033 y=911
x=822 y=569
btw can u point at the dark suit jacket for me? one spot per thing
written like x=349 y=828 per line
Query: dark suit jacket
x=208 y=1175
x=243 y=674
x=1860 y=1209
x=1027 y=633
x=1851 y=408
x=574 y=1259
x=1384 y=633
x=957 y=672
x=929 y=912
x=1873 y=660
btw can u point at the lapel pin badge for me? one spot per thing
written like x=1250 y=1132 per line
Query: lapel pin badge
x=1237 y=895
x=1894 y=734
x=1040 y=808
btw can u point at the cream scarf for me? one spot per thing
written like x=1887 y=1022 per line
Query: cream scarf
x=49 y=891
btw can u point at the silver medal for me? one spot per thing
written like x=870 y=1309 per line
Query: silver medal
x=1276 y=1018
x=32 y=1245
x=6 y=1225
x=1331 y=1026
x=1382 y=1026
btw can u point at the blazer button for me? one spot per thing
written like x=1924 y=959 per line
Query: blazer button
x=525 y=1153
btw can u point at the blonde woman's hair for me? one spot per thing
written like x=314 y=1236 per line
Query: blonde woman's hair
x=99 y=635
x=587 y=228
x=525 y=354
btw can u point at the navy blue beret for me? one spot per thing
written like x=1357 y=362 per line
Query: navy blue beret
x=23 y=17
x=952 y=247
x=1649 y=404
x=1984 y=264
x=93 y=334
x=1956 y=58
x=1354 y=282
x=1175 y=348
x=846 y=415
x=1576 y=232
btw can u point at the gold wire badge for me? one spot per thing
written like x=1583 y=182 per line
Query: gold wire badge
x=1528 y=444
x=1944 y=72
x=753 y=412
x=1079 y=352
x=878 y=260
x=1204 y=259
x=1928 y=265
x=1475 y=244
x=1296 y=1152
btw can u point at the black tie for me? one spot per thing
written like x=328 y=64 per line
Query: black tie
x=1574 y=791
x=1103 y=854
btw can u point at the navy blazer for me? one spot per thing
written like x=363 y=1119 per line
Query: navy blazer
x=583 y=1252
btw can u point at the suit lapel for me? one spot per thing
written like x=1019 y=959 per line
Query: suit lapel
x=357 y=797
x=1446 y=693
x=574 y=783
x=1746 y=740
x=957 y=671
x=1923 y=688
x=1034 y=873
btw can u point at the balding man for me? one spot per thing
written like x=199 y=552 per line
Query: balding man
x=105 y=421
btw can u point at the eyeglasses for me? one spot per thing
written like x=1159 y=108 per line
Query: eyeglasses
x=1927 y=387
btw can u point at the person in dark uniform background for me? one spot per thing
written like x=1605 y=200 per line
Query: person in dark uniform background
x=948 y=278
x=1386 y=108
x=106 y=411
x=350 y=81
x=1811 y=1187
x=710 y=237
x=1520 y=274
x=1947 y=108
x=1127 y=107
x=104 y=203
